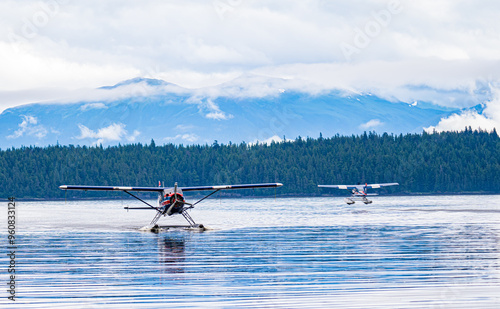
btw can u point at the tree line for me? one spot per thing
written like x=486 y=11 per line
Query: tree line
x=435 y=163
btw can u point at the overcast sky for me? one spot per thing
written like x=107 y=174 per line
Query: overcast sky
x=444 y=51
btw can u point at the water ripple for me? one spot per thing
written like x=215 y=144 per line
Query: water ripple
x=389 y=256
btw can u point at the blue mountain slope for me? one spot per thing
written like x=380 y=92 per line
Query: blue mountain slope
x=192 y=119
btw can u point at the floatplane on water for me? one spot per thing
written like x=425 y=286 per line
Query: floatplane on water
x=359 y=191
x=171 y=200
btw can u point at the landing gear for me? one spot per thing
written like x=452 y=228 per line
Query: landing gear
x=177 y=205
x=349 y=201
x=179 y=209
x=157 y=229
x=366 y=201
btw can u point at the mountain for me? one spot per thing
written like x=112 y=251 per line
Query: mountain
x=139 y=110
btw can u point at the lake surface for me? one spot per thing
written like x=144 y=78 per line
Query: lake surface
x=399 y=252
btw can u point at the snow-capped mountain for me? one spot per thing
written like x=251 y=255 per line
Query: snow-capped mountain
x=139 y=110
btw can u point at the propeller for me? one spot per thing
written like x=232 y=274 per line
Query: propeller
x=174 y=202
x=178 y=203
x=176 y=196
x=366 y=187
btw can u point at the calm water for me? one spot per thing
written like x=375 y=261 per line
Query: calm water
x=407 y=252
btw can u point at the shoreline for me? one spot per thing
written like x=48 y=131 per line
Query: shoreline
x=255 y=196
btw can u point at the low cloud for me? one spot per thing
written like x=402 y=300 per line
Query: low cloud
x=188 y=137
x=458 y=122
x=133 y=137
x=30 y=127
x=488 y=119
x=269 y=141
x=214 y=111
x=113 y=133
x=184 y=127
x=372 y=124
x=218 y=116
x=90 y=106
x=453 y=83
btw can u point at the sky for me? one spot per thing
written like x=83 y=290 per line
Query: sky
x=442 y=51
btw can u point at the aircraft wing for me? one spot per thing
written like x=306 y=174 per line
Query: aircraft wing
x=345 y=187
x=160 y=189
x=369 y=186
x=378 y=185
x=111 y=188
x=224 y=187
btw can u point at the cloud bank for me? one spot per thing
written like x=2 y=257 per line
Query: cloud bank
x=115 y=132
x=439 y=51
x=29 y=127
x=488 y=120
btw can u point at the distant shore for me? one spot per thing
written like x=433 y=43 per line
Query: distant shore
x=107 y=198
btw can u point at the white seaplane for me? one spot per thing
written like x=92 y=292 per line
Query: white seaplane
x=170 y=199
x=359 y=191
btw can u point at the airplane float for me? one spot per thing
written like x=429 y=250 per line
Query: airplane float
x=359 y=191
x=170 y=199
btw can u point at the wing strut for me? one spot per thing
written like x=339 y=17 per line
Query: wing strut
x=139 y=200
x=204 y=198
x=184 y=212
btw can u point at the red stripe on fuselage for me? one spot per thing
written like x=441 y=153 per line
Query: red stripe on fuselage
x=167 y=197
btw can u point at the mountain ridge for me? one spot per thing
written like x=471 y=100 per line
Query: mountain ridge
x=146 y=109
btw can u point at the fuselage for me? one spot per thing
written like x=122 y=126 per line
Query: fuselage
x=358 y=192
x=171 y=202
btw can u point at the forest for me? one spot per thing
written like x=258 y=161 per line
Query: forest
x=426 y=163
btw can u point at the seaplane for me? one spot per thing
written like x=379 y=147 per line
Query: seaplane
x=171 y=200
x=359 y=192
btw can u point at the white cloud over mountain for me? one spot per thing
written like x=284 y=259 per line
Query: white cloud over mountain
x=439 y=51
x=488 y=120
x=29 y=126
x=115 y=132
x=372 y=124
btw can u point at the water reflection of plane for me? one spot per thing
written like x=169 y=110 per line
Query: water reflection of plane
x=171 y=253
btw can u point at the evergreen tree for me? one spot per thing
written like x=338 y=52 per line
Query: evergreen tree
x=447 y=162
